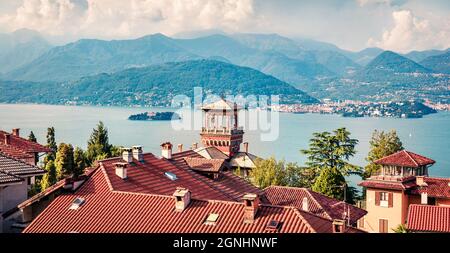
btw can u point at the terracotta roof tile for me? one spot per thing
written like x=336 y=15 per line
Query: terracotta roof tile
x=23 y=144
x=231 y=185
x=111 y=211
x=317 y=203
x=205 y=165
x=436 y=187
x=425 y=218
x=406 y=159
x=149 y=177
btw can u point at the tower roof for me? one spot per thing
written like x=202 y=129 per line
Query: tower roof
x=222 y=105
x=406 y=159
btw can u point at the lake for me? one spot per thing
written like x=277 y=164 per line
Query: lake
x=428 y=136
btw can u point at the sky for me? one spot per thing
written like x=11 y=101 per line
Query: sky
x=398 y=25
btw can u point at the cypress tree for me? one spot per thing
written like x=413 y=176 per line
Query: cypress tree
x=64 y=161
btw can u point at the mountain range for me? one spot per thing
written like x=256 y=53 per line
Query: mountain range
x=318 y=68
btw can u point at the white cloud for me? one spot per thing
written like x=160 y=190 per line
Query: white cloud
x=413 y=33
x=112 y=19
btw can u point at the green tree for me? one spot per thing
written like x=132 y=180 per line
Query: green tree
x=327 y=150
x=268 y=172
x=79 y=162
x=401 y=229
x=31 y=137
x=331 y=183
x=382 y=144
x=50 y=178
x=98 y=144
x=51 y=143
x=64 y=161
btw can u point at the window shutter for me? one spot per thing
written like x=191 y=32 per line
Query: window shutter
x=390 y=199
x=377 y=198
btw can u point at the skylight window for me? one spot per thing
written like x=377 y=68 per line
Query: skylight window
x=77 y=203
x=273 y=225
x=171 y=176
x=212 y=219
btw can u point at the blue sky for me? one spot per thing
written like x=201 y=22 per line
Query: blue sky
x=400 y=25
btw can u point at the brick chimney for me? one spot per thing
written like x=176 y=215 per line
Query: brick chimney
x=251 y=204
x=420 y=181
x=182 y=199
x=121 y=170
x=246 y=147
x=195 y=145
x=16 y=132
x=127 y=155
x=180 y=147
x=7 y=139
x=138 y=153
x=339 y=226
x=305 y=204
x=166 y=150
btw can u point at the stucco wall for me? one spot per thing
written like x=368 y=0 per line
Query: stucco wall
x=395 y=215
x=14 y=195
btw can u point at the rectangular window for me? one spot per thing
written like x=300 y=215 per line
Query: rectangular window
x=384 y=197
x=383 y=226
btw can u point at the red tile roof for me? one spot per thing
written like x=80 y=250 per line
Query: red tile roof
x=205 y=165
x=391 y=185
x=425 y=218
x=231 y=185
x=436 y=187
x=406 y=159
x=24 y=144
x=149 y=177
x=317 y=203
x=15 y=152
x=119 y=212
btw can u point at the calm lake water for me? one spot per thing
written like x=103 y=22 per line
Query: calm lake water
x=429 y=136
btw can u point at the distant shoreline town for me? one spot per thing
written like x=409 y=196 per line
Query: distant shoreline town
x=351 y=108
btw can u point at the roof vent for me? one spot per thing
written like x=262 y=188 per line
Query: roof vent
x=305 y=205
x=212 y=219
x=273 y=225
x=170 y=176
x=77 y=203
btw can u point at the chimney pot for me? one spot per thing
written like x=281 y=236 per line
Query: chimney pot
x=16 y=132
x=166 y=151
x=246 y=147
x=305 y=204
x=182 y=199
x=420 y=181
x=7 y=139
x=339 y=226
x=194 y=145
x=121 y=170
x=127 y=155
x=251 y=204
x=138 y=153
x=180 y=147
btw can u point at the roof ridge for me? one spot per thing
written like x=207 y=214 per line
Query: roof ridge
x=410 y=157
x=317 y=202
x=305 y=221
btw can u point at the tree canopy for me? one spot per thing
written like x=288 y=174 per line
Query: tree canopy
x=382 y=144
x=332 y=150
